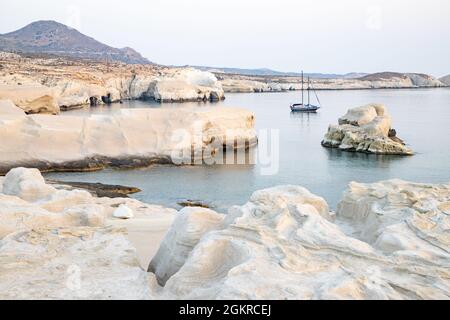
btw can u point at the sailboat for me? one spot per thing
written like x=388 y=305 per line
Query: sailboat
x=302 y=107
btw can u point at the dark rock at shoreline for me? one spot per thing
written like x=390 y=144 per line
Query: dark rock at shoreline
x=194 y=203
x=99 y=189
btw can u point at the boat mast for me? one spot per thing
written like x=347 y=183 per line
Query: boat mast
x=309 y=83
x=302 y=87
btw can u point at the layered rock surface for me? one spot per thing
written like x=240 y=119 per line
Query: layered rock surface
x=39 y=85
x=445 y=80
x=60 y=244
x=388 y=240
x=129 y=138
x=366 y=129
x=391 y=80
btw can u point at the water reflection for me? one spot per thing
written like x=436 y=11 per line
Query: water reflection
x=362 y=160
x=303 y=161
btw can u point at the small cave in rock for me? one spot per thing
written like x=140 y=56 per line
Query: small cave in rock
x=214 y=96
x=107 y=99
x=93 y=101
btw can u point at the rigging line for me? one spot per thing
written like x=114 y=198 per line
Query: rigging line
x=317 y=97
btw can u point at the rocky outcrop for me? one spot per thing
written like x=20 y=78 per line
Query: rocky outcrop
x=385 y=80
x=40 y=85
x=408 y=220
x=70 y=263
x=31 y=98
x=366 y=129
x=185 y=233
x=387 y=241
x=129 y=138
x=67 y=244
x=445 y=80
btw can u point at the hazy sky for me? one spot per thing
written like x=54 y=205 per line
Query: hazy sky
x=288 y=35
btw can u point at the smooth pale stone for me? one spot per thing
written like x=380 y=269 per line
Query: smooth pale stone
x=31 y=98
x=27 y=184
x=359 y=116
x=190 y=225
x=74 y=208
x=123 y=212
x=8 y=108
x=71 y=263
x=384 y=243
x=445 y=80
x=365 y=129
x=128 y=135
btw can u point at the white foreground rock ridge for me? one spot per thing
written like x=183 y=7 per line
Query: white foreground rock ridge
x=61 y=244
x=388 y=240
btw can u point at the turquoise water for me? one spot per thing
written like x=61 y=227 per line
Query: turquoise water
x=421 y=117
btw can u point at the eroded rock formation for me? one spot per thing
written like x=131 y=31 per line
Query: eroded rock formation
x=60 y=244
x=384 y=80
x=129 y=138
x=366 y=129
x=40 y=85
x=387 y=241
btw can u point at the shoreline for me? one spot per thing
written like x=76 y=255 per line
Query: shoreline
x=283 y=236
x=347 y=89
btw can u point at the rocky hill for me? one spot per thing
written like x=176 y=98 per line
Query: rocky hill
x=50 y=37
x=445 y=80
x=381 y=80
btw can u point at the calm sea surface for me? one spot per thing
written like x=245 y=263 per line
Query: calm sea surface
x=421 y=117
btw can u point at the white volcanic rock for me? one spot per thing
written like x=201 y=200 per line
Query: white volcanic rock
x=9 y=109
x=31 y=98
x=187 y=85
x=247 y=83
x=445 y=80
x=123 y=212
x=70 y=263
x=365 y=129
x=27 y=184
x=57 y=245
x=244 y=85
x=48 y=85
x=283 y=245
x=131 y=137
x=184 y=234
x=27 y=202
x=423 y=80
x=399 y=216
x=181 y=85
x=362 y=115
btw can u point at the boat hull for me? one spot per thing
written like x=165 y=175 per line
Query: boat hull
x=304 y=108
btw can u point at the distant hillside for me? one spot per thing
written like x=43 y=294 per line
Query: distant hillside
x=50 y=37
x=445 y=80
x=417 y=79
x=269 y=72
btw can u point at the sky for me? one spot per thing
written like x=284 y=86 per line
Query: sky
x=327 y=36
